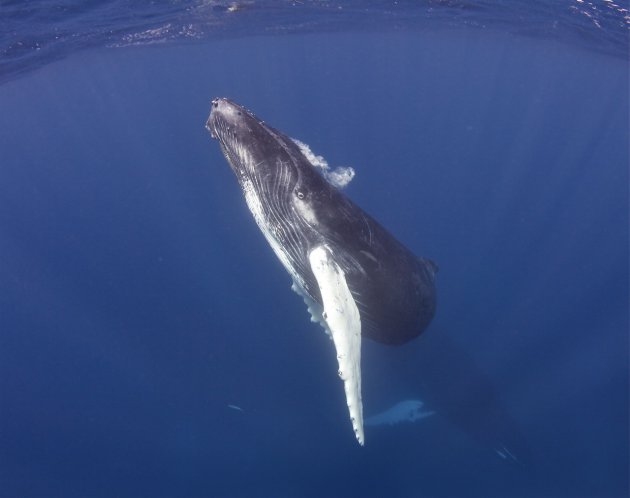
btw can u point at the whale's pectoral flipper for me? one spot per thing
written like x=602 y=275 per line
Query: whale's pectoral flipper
x=343 y=320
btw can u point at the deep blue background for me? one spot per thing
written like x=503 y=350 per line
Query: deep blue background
x=138 y=299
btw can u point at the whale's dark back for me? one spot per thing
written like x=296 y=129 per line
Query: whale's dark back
x=393 y=288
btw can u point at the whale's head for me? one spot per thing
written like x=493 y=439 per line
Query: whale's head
x=255 y=151
x=282 y=188
x=270 y=166
x=238 y=132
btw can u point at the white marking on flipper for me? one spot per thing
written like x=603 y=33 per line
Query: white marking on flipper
x=344 y=323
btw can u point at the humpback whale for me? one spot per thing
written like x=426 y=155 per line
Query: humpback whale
x=356 y=279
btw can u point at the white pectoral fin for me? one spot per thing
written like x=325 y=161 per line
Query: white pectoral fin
x=344 y=323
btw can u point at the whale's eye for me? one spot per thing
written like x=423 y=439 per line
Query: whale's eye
x=300 y=193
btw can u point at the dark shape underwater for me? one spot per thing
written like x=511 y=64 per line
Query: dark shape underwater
x=354 y=276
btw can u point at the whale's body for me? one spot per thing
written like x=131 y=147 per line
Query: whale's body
x=355 y=277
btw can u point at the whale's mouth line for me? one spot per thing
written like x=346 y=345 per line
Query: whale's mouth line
x=214 y=123
x=222 y=131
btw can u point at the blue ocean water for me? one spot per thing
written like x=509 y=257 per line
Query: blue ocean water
x=138 y=300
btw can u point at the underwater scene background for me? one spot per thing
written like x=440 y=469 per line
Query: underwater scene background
x=149 y=341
